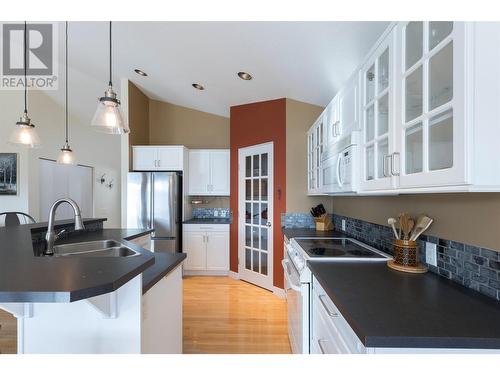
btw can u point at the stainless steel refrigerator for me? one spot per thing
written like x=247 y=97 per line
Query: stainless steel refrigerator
x=154 y=201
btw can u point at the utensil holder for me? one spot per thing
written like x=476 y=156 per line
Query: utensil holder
x=406 y=253
x=323 y=223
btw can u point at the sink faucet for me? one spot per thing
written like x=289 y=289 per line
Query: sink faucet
x=51 y=236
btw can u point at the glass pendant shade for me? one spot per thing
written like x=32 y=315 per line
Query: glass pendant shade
x=66 y=156
x=108 y=117
x=25 y=133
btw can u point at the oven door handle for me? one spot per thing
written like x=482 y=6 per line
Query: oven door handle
x=293 y=286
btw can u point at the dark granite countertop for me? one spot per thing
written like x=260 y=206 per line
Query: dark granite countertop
x=387 y=308
x=164 y=263
x=25 y=277
x=309 y=232
x=211 y=220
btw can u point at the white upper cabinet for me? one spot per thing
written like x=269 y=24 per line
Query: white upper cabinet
x=348 y=107
x=199 y=172
x=158 y=158
x=377 y=149
x=427 y=111
x=209 y=172
x=432 y=120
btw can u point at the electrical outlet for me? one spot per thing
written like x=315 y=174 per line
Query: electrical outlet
x=216 y=213
x=343 y=225
x=431 y=253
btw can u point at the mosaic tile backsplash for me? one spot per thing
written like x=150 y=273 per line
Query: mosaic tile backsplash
x=208 y=213
x=473 y=267
x=297 y=220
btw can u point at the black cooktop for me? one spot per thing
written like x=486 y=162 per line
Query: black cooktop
x=335 y=248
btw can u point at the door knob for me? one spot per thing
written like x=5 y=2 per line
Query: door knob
x=268 y=224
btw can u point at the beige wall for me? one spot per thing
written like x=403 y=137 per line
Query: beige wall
x=138 y=118
x=171 y=124
x=299 y=118
x=472 y=218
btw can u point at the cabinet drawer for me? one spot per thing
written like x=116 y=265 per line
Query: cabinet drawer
x=335 y=323
x=206 y=227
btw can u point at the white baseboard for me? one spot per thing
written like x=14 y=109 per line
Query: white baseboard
x=278 y=292
x=204 y=273
x=234 y=275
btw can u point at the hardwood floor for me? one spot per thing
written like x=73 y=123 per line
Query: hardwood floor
x=8 y=333
x=223 y=315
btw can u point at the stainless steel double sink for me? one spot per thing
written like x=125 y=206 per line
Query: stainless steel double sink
x=104 y=248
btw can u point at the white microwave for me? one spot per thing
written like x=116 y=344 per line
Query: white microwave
x=339 y=167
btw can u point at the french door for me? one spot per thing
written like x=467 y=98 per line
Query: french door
x=255 y=207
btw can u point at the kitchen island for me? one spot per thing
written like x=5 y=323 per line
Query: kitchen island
x=79 y=304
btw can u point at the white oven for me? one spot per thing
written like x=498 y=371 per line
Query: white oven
x=298 y=277
x=339 y=167
x=297 y=298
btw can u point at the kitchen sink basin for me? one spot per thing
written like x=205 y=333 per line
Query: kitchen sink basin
x=105 y=248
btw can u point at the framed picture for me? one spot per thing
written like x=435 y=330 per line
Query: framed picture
x=8 y=174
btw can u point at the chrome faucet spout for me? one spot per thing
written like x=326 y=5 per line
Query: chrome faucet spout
x=51 y=236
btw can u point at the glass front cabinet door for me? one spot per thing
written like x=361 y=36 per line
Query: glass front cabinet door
x=315 y=147
x=378 y=153
x=431 y=120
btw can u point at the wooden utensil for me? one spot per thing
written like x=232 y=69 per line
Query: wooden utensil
x=411 y=224
x=392 y=222
x=423 y=223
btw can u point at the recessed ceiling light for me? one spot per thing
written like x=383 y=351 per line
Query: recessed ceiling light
x=245 y=76
x=141 y=72
x=197 y=86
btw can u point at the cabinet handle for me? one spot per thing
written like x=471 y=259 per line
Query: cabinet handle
x=330 y=313
x=320 y=345
x=159 y=163
x=393 y=163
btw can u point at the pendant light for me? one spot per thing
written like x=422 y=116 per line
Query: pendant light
x=25 y=133
x=66 y=156
x=108 y=117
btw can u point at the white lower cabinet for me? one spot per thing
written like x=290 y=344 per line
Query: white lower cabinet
x=161 y=316
x=207 y=249
x=331 y=334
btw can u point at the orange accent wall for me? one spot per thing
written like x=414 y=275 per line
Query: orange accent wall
x=253 y=124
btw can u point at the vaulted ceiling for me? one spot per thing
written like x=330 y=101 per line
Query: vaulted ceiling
x=306 y=61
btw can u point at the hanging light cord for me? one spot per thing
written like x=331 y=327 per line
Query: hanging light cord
x=66 y=94
x=25 y=71
x=110 y=57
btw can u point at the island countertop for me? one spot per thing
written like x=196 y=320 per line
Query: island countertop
x=25 y=277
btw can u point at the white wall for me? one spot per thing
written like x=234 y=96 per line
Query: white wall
x=46 y=109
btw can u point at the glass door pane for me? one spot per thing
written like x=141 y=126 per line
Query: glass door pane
x=438 y=30
x=414 y=95
x=441 y=141
x=370 y=123
x=441 y=77
x=414 y=46
x=414 y=149
x=370 y=163
x=383 y=71
x=382 y=152
x=383 y=115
